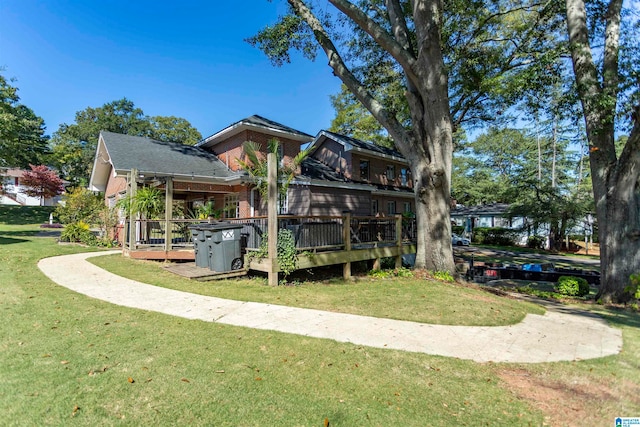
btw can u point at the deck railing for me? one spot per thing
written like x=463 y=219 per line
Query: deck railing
x=311 y=233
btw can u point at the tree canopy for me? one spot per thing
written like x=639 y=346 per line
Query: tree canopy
x=74 y=145
x=42 y=182
x=22 y=133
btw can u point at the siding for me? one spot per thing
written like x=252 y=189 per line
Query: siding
x=333 y=201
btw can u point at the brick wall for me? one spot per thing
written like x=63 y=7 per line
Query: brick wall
x=115 y=185
x=231 y=149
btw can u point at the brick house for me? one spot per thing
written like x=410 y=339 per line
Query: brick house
x=341 y=173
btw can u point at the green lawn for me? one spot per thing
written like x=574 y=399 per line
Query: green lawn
x=66 y=359
x=397 y=298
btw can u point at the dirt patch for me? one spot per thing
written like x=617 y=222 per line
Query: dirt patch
x=574 y=401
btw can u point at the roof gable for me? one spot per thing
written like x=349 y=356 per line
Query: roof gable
x=258 y=124
x=148 y=156
x=353 y=144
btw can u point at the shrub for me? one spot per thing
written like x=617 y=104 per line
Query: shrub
x=536 y=242
x=78 y=232
x=457 y=229
x=80 y=205
x=494 y=236
x=443 y=276
x=634 y=286
x=572 y=286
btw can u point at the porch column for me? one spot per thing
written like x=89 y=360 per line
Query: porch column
x=346 y=235
x=133 y=189
x=168 y=213
x=399 y=240
x=272 y=218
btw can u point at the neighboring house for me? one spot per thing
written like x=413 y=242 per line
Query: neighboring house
x=489 y=215
x=340 y=174
x=14 y=192
x=495 y=215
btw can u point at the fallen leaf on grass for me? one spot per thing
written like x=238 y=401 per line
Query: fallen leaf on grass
x=75 y=410
x=258 y=378
x=184 y=380
x=64 y=362
x=131 y=380
x=220 y=371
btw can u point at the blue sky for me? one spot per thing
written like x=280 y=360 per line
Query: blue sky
x=186 y=59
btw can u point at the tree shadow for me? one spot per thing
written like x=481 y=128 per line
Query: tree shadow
x=23 y=215
x=9 y=240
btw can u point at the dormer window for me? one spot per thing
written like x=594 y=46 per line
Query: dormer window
x=364 y=170
x=403 y=176
x=391 y=172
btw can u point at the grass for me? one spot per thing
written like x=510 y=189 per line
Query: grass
x=66 y=359
x=398 y=298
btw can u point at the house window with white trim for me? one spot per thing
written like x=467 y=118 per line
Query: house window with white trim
x=391 y=172
x=391 y=208
x=403 y=177
x=231 y=205
x=283 y=203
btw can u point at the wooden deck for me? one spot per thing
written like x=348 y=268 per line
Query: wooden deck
x=191 y=271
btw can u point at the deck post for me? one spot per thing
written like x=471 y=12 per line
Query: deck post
x=133 y=189
x=399 y=240
x=168 y=213
x=346 y=235
x=272 y=218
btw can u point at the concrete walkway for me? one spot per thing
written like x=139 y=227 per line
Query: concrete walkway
x=563 y=333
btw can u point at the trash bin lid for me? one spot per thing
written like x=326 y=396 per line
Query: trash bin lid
x=221 y=225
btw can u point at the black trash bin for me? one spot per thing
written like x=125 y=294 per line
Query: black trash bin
x=223 y=241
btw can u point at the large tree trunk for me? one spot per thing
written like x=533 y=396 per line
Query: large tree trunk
x=616 y=186
x=428 y=144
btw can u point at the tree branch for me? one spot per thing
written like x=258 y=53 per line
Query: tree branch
x=340 y=69
x=405 y=57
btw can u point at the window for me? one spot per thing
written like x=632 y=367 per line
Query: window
x=391 y=172
x=283 y=203
x=407 y=207
x=374 y=207
x=403 y=176
x=231 y=206
x=364 y=170
x=281 y=153
x=391 y=208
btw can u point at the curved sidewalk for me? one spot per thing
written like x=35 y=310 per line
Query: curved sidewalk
x=562 y=333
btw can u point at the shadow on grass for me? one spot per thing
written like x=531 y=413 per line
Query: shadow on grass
x=9 y=240
x=620 y=316
x=22 y=215
x=20 y=233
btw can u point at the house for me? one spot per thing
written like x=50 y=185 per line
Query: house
x=14 y=192
x=489 y=215
x=340 y=174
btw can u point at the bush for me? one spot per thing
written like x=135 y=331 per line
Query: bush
x=494 y=236
x=536 y=242
x=572 y=286
x=457 y=229
x=78 y=232
x=80 y=205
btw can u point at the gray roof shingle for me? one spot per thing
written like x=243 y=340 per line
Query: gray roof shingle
x=148 y=155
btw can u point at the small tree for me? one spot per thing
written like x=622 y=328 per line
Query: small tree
x=255 y=165
x=42 y=182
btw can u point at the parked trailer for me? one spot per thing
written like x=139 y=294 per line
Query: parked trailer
x=485 y=273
